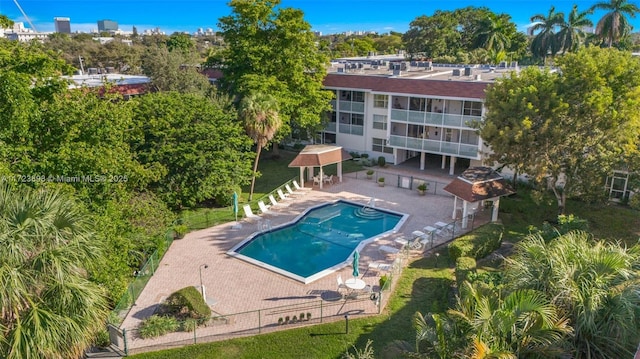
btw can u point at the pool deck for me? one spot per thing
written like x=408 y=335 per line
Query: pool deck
x=235 y=286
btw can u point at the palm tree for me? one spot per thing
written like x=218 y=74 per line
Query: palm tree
x=595 y=283
x=546 y=41
x=259 y=113
x=48 y=306
x=523 y=324
x=614 y=25
x=571 y=34
x=494 y=32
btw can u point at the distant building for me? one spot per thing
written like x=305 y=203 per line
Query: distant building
x=63 y=24
x=20 y=33
x=107 y=25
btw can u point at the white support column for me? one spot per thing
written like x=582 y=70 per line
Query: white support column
x=452 y=165
x=423 y=156
x=302 y=180
x=455 y=206
x=321 y=177
x=444 y=161
x=494 y=213
x=465 y=213
x=339 y=172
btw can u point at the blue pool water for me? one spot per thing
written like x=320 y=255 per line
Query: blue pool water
x=319 y=241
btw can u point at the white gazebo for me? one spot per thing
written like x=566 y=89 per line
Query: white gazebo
x=475 y=186
x=319 y=156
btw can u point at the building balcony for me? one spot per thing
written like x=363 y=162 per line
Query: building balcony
x=351 y=106
x=434 y=118
x=435 y=146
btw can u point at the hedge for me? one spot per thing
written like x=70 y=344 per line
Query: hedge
x=464 y=266
x=187 y=303
x=478 y=243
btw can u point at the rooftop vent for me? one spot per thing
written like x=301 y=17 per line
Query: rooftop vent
x=456 y=72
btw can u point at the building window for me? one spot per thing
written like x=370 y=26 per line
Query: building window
x=472 y=108
x=417 y=104
x=378 y=145
x=380 y=122
x=380 y=101
x=351 y=123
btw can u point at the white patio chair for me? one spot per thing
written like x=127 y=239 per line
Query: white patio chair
x=341 y=284
x=328 y=179
x=282 y=196
x=248 y=213
x=264 y=209
x=275 y=203
x=291 y=192
x=298 y=188
x=316 y=180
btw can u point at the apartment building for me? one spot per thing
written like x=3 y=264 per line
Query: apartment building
x=405 y=111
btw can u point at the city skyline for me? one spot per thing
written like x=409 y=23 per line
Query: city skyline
x=329 y=16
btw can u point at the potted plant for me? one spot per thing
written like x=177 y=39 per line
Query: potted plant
x=180 y=230
x=381 y=181
x=422 y=188
x=308 y=316
x=280 y=321
x=370 y=174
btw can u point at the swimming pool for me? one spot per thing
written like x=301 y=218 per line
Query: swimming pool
x=319 y=241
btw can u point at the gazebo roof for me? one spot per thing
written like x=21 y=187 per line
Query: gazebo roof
x=319 y=155
x=479 y=183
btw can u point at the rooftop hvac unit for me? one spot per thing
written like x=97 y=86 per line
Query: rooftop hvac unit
x=456 y=72
x=340 y=69
x=397 y=72
x=467 y=71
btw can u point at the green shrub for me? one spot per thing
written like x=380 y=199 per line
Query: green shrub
x=224 y=198
x=102 y=339
x=156 y=325
x=478 y=243
x=189 y=325
x=464 y=266
x=493 y=278
x=383 y=282
x=187 y=303
x=382 y=161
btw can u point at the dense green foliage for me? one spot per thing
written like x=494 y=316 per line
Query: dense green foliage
x=49 y=307
x=272 y=50
x=594 y=284
x=589 y=124
x=464 y=266
x=156 y=326
x=196 y=149
x=477 y=244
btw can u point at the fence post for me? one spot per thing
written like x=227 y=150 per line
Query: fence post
x=320 y=311
x=153 y=270
x=124 y=339
x=195 y=337
x=259 y=322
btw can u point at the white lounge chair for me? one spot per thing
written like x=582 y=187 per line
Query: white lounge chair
x=291 y=192
x=248 y=213
x=264 y=209
x=275 y=203
x=298 y=188
x=282 y=196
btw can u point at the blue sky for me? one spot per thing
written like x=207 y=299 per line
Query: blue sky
x=328 y=16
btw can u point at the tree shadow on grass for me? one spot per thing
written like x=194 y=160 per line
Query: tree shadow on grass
x=429 y=292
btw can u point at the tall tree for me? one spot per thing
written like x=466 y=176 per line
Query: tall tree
x=175 y=71
x=614 y=25
x=495 y=31
x=596 y=285
x=49 y=308
x=266 y=41
x=570 y=130
x=196 y=149
x=571 y=35
x=546 y=42
x=431 y=36
x=259 y=114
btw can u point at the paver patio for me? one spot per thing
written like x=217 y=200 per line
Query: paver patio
x=235 y=286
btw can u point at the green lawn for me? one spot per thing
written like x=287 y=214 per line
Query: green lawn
x=423 y=285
